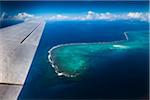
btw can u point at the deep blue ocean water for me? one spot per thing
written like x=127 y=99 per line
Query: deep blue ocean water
x=104 y=81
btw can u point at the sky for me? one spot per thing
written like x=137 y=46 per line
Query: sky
x=75 y=9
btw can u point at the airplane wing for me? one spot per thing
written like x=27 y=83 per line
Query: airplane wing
x=18 y=44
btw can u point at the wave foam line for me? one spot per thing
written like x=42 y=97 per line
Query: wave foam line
x=72 y=44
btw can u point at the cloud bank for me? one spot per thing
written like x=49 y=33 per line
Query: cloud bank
x=24 y=16
x=139 y=16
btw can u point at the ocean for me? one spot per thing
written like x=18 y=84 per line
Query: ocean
x=108 y=75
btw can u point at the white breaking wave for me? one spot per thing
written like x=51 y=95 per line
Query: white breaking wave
x=120 y=46
x=72 y=44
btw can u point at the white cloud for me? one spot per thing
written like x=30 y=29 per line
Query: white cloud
x=138 y=15
x=89 y=16
x=110 y=16
x=134 y=15
x=58 y=17
x=95 y=16
x=24 y=16
x=113 y=16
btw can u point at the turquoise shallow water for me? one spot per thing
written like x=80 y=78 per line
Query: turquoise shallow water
x=73 y=59
x=102 y=71
x=106 y=69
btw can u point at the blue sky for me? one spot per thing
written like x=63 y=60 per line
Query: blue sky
x=76 y=10
x=71 y=8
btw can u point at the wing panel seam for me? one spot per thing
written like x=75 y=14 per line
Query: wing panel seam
x=29 y=34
